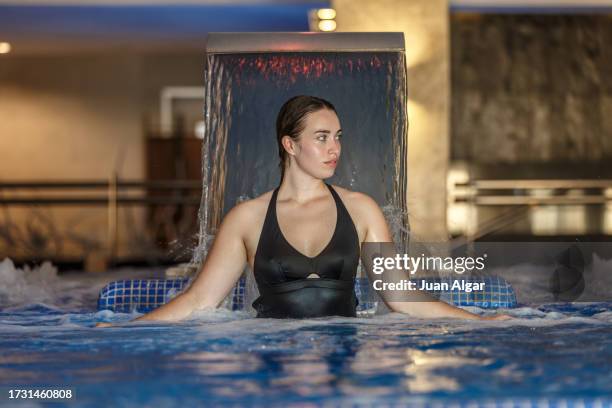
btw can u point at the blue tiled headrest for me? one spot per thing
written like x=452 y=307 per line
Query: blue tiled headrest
x=143 y=295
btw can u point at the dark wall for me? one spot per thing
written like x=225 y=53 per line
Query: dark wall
x=531 y=88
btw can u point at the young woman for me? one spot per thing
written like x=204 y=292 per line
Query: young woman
x=301 y=240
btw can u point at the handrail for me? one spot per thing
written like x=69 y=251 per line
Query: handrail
x=475 y=192
x=523 y=200
x=188 y=200
x=110 y=193
x=521 y=195
x=536 y=184
x=102 y=184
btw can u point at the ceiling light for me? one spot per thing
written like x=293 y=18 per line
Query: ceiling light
x=322 y=19
x=326 y=14
x=327 y=25
x=5 y=48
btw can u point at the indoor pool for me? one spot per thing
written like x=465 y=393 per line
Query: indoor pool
x=555 y=354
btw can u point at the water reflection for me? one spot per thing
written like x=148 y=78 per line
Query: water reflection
x=263 y=362
x=306 y=374
x=218 y=363
x=428 y=370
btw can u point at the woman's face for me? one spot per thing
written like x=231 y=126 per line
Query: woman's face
x=318 y=149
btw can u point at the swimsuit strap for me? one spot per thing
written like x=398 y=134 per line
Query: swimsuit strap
x=339 y=204
x=271 y=213
x=276 y=230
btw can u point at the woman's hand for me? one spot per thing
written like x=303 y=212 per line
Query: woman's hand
x=218 y=274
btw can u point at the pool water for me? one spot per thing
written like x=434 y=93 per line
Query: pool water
x=555 y=354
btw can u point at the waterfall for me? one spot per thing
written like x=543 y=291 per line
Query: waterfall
x=244 y=92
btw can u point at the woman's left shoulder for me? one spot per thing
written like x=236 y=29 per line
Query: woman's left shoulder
x=356 y=199
x=366 y=214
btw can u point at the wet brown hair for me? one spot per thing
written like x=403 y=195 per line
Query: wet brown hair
x=291 y=121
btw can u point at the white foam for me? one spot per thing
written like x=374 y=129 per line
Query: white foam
x=603 y=316
x=27 y=286
x=104 y=315
x=43 y=285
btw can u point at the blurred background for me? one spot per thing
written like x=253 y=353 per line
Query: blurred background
x=510 y=110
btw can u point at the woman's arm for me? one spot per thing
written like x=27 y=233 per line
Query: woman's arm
x=223 y=266
x=377 y=230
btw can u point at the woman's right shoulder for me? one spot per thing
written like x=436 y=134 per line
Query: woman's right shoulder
x=251 y=211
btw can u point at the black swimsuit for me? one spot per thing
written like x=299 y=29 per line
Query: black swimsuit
x=281 y=271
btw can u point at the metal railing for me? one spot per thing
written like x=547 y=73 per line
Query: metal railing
x=528 y=192
x=523 y=194
x=111 y=193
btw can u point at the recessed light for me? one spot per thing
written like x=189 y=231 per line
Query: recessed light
x=5 y=48
x=327 y=25
x=326 y=14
